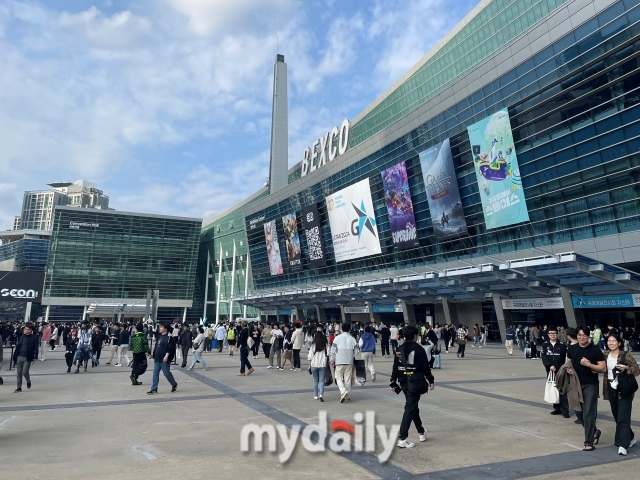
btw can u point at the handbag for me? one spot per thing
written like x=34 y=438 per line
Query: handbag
x=462 y=342
x=328 y=376
x=250 y=342
x=551 y=394
x=627 y=384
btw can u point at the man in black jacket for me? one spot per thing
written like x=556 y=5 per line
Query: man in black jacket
x=25 y=354
x=163 y=353
x=385 y=335
x=185 y=339
x=554 y=355
x=411 y=370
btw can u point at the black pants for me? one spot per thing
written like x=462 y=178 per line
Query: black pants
x=184 y=349
x=97 y=351
x=563 y=406
x=385 y=347
x=589 y=412
x=69 y=358
x=411 y=414
x=446 y=343
x=52 y=344
x=394 y=346
x=296 y=358
x=244 y=359
x=266 y=349
x=256 y=348
x=621 y=410
x=207 y=344
x=461 y=349
x=139 y=364
x=220 y=345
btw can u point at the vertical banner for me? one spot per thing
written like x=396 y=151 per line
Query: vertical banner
x=443 y=195
x=311 y=223
x=292 y=242
x=273 y=249
x=497 y=171
x=399 y=206
x=353 y=223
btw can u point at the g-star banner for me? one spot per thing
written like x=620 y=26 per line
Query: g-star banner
x=549 y=303
x=292 y=242
x=497 y=171
x=21 y=287
x=352 y=222
x=443 y=195
x=273 y=249
x=311 y=223
x=399 y=206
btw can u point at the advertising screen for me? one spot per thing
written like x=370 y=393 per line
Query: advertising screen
x=443 y=195
x=497 y=171
x=21 y=287
x=292 y=242
x=399 y=206
x=273 y=249
x=311 y=223
x=353 y=223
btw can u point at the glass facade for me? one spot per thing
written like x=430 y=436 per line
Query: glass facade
x=575 y=115
x=107 y=254
x=495 y=26
x=29 y=254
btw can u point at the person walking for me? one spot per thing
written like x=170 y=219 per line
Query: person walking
x=619 y=363
x=367 y=345
x=446 y=337
x=411 y=370
x=255 y=336
x=54 y=337
x=221 y=335
x=587 y=361
x=343 y=351
x=244 y=351
x=96 y=343
x=46 y=338
x=83 y=352
x=123 y=346
x=385 y=335
x=554 y=355
x=114 y=336
x=198 y=347
x=476 y=336
x=510 y=334
x=24 y=355
x=71 y=346
x=163 y=353
x=318 y=363
x=297 y=339
x=393 y=339
x=139 y=349
x=277 y=337
x=461 y=336
x=231 y=339
x=185 y=339
x=266 y=340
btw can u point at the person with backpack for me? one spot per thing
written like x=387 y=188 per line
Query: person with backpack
x=411 y=371
x=231 y=339
x=619 y=390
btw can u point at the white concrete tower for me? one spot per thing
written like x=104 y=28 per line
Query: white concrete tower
x=279 y=161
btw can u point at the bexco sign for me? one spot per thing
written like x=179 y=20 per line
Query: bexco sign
x=21 y=286
x=326 y=149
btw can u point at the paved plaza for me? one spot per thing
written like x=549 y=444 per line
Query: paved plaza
x=485 y=419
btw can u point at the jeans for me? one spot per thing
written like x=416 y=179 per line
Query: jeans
x=411 y=414
x=385 y=347
x=476 y=340
x=244 y=359
x=461 y=349
x=318 y=381
x=296 y=358
x=621 y=410
x=22 y=367
x=197 y=357
x=165 y=367
x=394 y=346
x=184 y=349
x=589 y=412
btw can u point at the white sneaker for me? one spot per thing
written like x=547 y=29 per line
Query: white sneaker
x=117 y=365
x=373 y=377
x=269 y=367
x=405 y=444
x=622 y=451
x=315 y=398
x=423 y=436
x=633 y=442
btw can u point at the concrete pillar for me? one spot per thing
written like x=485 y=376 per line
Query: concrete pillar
x=84 y=313
x=346 y=317
x=408 y=313
x=184 y=315
x=503 y=316
x=46 y=313
x=449 y=316
x=27 y=312
x=575 y=317
x=298 y=313
x=322 y=316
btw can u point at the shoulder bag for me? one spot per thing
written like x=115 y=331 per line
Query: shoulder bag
x=627 y=384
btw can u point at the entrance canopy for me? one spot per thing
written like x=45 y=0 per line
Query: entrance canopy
x=113 y=309
x=541 y=276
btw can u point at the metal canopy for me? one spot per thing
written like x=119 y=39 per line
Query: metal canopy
x=113 y=309
x=541 y=276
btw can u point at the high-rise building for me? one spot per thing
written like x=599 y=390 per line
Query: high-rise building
x=279 y=161
x=16 y=223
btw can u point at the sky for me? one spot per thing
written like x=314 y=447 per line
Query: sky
x=166 y=104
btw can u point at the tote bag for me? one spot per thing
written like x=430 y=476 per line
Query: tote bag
x=551 y=394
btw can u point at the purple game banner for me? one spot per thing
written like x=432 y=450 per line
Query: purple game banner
x=399 y=206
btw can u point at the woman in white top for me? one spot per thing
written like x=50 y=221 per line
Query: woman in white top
x=318 y=362
x=198 y=348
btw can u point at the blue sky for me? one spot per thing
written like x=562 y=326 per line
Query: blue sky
x=166 y=105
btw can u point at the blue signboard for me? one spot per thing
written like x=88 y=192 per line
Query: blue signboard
x=387 y=308
x=606 y=301
x=284 y=312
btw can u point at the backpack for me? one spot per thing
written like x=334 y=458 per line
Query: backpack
x=231 y=334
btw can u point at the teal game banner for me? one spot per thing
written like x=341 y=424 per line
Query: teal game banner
x=497 y=171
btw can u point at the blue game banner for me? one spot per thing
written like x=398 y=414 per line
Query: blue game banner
x=443 y=195
x=606 y=301
x=399 y=206
x=497 y=171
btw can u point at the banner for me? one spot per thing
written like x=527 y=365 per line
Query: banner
x=443 y=195
x=311 y=223
x=625 y=300
x=548 y=303
x=497 y=171
x=399 y=206
x=273 y=249
x=292 y=242
x=21 y=287
x=353 y=223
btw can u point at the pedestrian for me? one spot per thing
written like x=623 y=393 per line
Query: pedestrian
x=54 y=337
x=318 y=363
x=163 y=353
x=343 y=351
x=393 y=339
x=266 y=340
x=44 y=340
x=231 y=339
x=198 y=347
x=297 y=339
x=24 y=355
x=619 y=363
x=221 y=335
x=367 y=344
x=461 y=336
x=71 y=346
x=123 y=346
x=446 y=337
x=510 y=336
x=587 y=361
x=476 y=336
x=411 y=370
x=277 y=337
x=243 y=337
x=96 y=343
x=554 y=355
x=114 y=336
x=385 y=335
x=140 y=349
x=185 y=339
x=83 y=352
x=255 y=336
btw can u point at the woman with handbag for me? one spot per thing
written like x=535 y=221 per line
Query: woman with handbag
x=618 y=386
x=198 y=348
x=462 y=340
x=318 y=363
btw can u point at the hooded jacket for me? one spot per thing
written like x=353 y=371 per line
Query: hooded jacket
x=569 y=385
